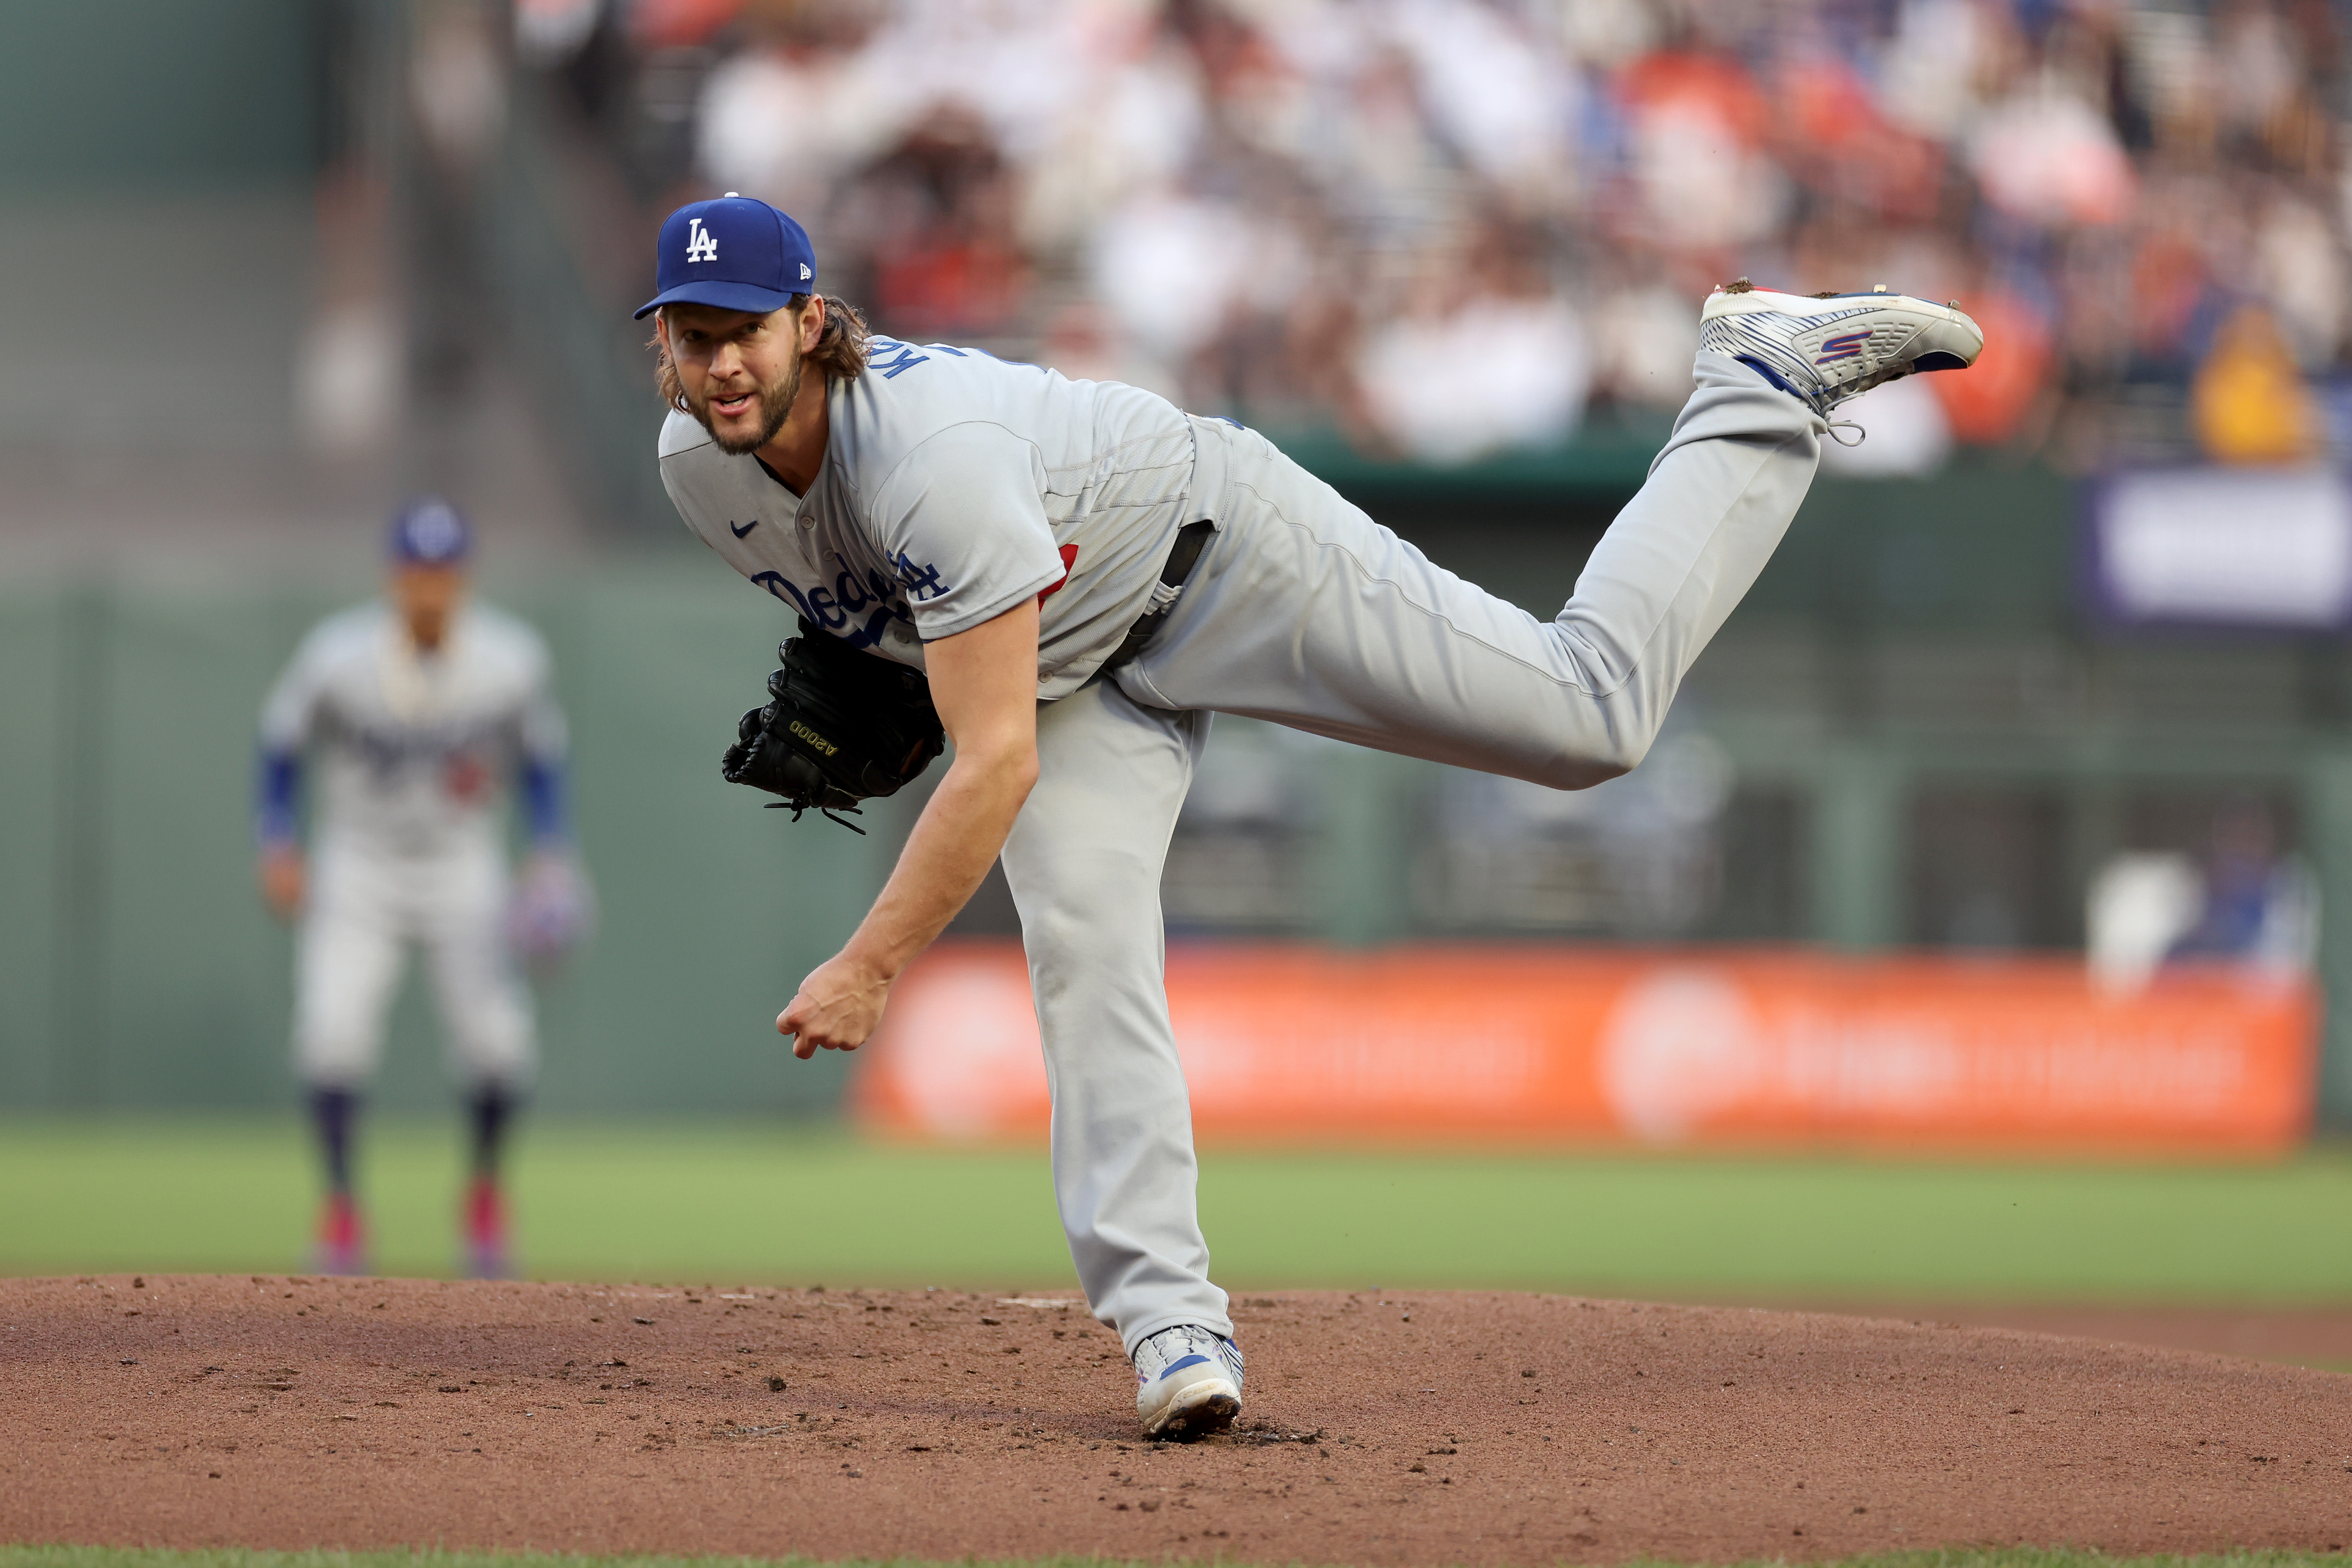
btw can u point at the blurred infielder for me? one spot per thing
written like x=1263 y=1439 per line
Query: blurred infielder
x=420 y=707
x=1084 y=573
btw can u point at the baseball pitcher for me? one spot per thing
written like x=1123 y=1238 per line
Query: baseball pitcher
x=419 y=708
x=1068 y=577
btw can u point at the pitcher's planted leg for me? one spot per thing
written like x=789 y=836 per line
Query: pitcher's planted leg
x=1084 y=864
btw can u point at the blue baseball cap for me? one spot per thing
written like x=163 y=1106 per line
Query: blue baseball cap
x=429 y=531
x=737 y=253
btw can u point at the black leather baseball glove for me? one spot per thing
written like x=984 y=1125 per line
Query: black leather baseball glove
x=842 y=726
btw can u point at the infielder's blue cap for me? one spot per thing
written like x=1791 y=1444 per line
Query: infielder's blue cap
x=429 y=531
x=737 y=253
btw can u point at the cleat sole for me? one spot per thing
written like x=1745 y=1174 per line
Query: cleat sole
x=1209 y=1405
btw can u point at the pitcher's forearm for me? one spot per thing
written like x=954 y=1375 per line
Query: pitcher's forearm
x=956 y=839
x=984 y=682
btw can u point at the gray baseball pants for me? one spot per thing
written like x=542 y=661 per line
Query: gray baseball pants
x=1304 y=611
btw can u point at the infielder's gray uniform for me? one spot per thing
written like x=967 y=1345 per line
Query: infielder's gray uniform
x=954 y=486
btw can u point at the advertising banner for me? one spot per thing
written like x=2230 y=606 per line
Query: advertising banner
x=1662 y=1047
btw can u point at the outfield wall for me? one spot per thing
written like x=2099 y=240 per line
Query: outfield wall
x=137 y=969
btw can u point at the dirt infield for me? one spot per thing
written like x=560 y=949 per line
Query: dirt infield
x=1429 y=1429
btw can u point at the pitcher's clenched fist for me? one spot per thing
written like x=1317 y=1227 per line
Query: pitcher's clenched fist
x=835 y=1009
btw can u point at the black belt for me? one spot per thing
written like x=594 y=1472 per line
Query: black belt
x=1190 y=540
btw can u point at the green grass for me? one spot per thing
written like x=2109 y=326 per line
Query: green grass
x=772 y=1202
x=152 y=1557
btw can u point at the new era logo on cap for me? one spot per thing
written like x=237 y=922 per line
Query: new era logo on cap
x=735 y=253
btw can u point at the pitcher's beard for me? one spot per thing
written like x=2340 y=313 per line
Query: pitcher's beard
x=776 y=400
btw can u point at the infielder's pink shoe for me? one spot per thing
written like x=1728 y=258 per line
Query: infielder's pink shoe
x=486 y=1231
x=1188 y=1382
x=1823 y=349
x=342 y=1247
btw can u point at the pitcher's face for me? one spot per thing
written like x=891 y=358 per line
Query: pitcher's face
x=740 y=371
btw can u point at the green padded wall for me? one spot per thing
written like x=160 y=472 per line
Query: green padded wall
x=155 y=95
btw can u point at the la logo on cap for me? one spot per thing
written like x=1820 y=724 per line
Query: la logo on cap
x=767 y=262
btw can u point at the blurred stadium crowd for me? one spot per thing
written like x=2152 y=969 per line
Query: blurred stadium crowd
x=1448 y=228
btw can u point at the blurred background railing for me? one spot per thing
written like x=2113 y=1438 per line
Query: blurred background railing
x=313 y=258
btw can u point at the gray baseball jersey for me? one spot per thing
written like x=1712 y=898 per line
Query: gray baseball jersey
x=954 y=486
x=416 y=750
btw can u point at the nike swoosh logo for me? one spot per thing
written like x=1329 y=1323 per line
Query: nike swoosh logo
x=739 y=532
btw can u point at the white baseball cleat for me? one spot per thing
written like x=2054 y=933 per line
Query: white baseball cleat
x=1188 y=1382
x=1822 y=349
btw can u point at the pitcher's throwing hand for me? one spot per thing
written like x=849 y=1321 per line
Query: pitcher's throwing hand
x=836 y=1008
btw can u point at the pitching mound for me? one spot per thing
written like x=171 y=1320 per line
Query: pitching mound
x=1435 y=1429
